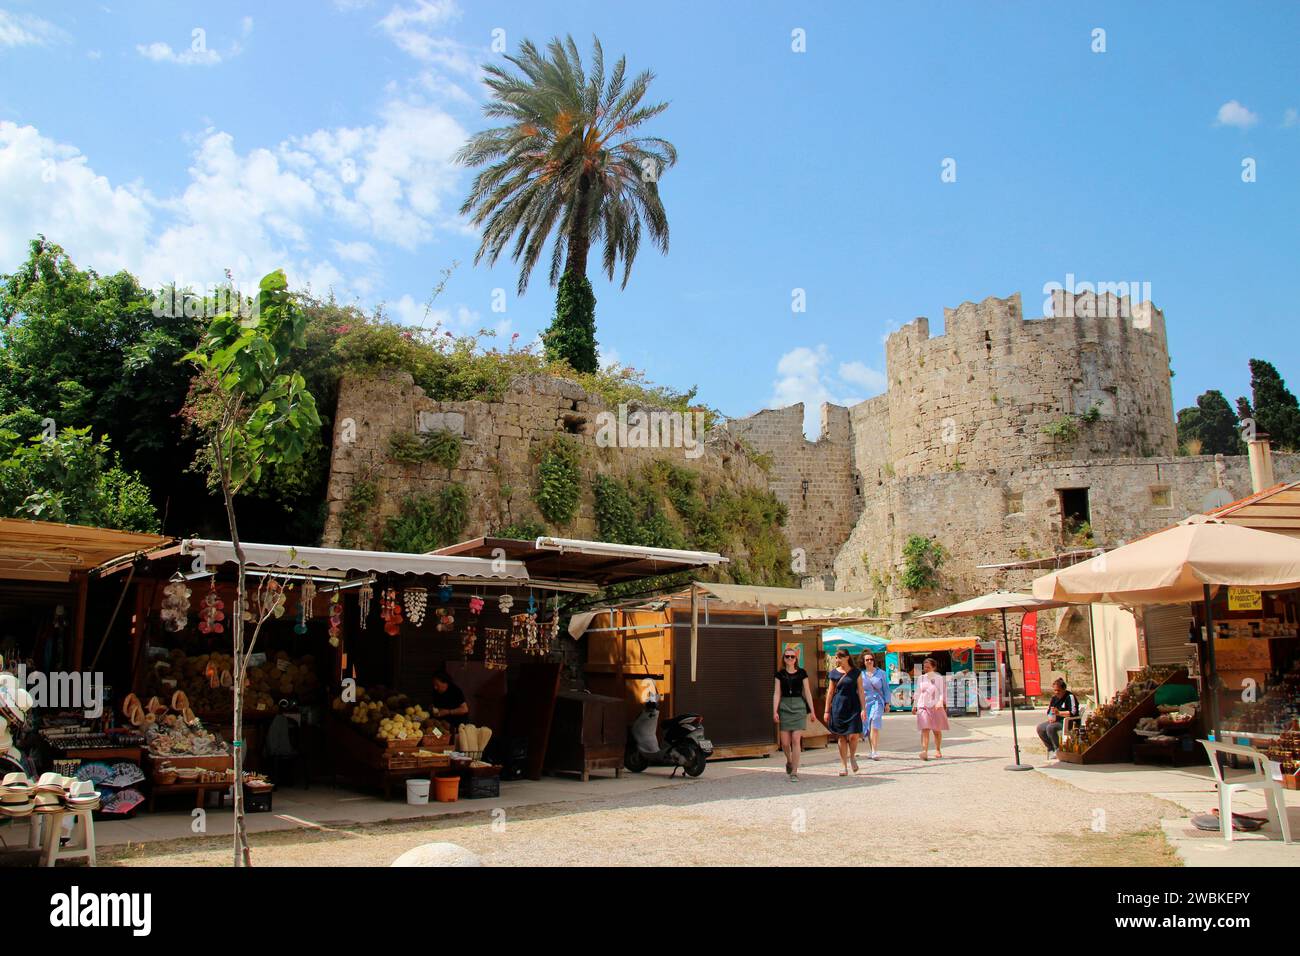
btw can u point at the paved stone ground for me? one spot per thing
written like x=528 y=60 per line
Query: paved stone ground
x=962 y=811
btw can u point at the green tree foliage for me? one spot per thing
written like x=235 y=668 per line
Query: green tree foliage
x=250 y=411
x=567 y=162
x=1274 y=410
x=71 y=478
x=572 y=335
x=1211 y=425
x=97 y=351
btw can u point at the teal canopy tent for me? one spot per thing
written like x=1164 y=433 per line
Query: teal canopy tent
x=833 y=638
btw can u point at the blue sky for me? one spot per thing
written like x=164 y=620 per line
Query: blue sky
x=318 y=136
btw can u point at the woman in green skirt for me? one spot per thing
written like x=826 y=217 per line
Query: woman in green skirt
x=791 y=705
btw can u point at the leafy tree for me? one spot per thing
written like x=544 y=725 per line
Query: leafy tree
x=922 y=559
x=72 y=478
x=251 y=413
x=572 y=335
x=1275 y=410
x=1212 y=424
x=567 y=162
x=97 y=351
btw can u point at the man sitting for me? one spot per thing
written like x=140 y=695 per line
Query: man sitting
x=1063 y=704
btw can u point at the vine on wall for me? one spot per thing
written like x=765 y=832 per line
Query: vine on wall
x=559 y=481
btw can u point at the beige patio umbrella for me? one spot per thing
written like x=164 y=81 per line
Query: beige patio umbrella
x=1181 y=565
x=993 y=603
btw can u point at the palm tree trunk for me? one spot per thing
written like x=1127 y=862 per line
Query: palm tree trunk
x=575 y=259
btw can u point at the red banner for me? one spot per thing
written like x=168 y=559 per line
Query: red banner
x=1029 y=652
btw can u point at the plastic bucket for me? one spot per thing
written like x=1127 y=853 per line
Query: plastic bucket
x=417 y=792
x=446 y=789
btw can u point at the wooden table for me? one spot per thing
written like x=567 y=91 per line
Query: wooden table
x=200 y=791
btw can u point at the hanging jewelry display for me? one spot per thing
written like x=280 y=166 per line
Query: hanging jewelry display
x=476 y=605
x=300 y=624
x=213 y=612
x=494 y=648
x=363 y=602
x=530 y=625
x=416 y=601
x=506 y=603
x=336 y=620
x=518 y=624
x=468 y=638
x=444 y=591
x=176 y=603
x=308 y=598
x=446 y=620
x=391 y=612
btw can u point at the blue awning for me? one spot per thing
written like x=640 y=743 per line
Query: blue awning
x=833 y=638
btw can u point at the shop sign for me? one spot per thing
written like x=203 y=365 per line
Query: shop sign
x=1245 y=599
x=1029 y=660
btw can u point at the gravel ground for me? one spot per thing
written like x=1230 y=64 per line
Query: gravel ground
x=962 y=811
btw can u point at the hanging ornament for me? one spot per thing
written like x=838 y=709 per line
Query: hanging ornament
x=416 y=600
x=444 y=594
x=300 y=625
x=176 y=603
x=468 y=637
x=494 y=648
x=476 y=605
x=273 y=599
x=446 y=620
x=532 y=603
x=390 y=611
x=363 y=602
x=213 y=612
x=518 y=630
x=336 y=619
x=506 y=603
x=308 y=598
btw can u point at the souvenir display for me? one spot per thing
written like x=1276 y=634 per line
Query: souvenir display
x=1275 y=708
x=494 y=647
x=206 y=681
x=444 y=594
x=213 y=612
x=391 y=718
x=476 y=605
x=364 y=597
x=176 y=604
x=468 y=638
x=1109 y=714
x=416 y=600
x=336 y=620
x=518 y=630
x=505 y=603
x=390 y=612
x=446 y=620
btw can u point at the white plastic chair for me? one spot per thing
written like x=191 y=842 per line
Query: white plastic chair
x=1259 y=778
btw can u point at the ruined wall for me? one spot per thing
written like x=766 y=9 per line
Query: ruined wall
x=502 y=443
x=815 y=480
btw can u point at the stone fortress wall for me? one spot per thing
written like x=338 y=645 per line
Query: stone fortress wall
x=956 y=450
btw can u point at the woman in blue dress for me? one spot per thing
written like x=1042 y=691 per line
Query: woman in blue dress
x=846 y=706
x=875 y=686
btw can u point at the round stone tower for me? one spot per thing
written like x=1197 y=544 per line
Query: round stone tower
x=995 y=390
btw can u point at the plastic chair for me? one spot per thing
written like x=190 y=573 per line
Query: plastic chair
x=1258 y=779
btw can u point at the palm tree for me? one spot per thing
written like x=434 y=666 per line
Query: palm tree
x=568 y=162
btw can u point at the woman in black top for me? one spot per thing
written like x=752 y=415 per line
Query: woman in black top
x=791 y=705
x=449 y=702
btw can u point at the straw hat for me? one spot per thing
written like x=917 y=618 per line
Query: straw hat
x=16 y=809
x=16 y=783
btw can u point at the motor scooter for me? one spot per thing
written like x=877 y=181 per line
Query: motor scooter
x=684 y=745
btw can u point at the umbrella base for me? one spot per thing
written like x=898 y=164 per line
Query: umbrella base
x=1017 y=766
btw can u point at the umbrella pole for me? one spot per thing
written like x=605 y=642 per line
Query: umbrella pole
x=1211 y=680
x=1011 y=698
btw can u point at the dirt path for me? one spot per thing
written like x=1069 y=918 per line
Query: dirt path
x=962 y=811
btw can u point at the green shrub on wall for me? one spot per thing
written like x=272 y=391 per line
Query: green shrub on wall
x=355 y=520
x=439 y=446
x=559 y=481
x=428 y=521
x=922 y=558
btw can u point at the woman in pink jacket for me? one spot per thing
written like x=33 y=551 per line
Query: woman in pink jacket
x=931 y=711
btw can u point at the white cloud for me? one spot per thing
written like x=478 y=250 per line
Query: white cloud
x=411 y=28
x=806 y=375
x=23 y=29
x=161 y=52
x=250 y=211
x=862 y=375
x=1291 y=117
x=1233 y=113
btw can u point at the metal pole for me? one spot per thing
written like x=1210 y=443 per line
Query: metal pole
x=1211 y=679
x=1092 y=649
x=1011 y=697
